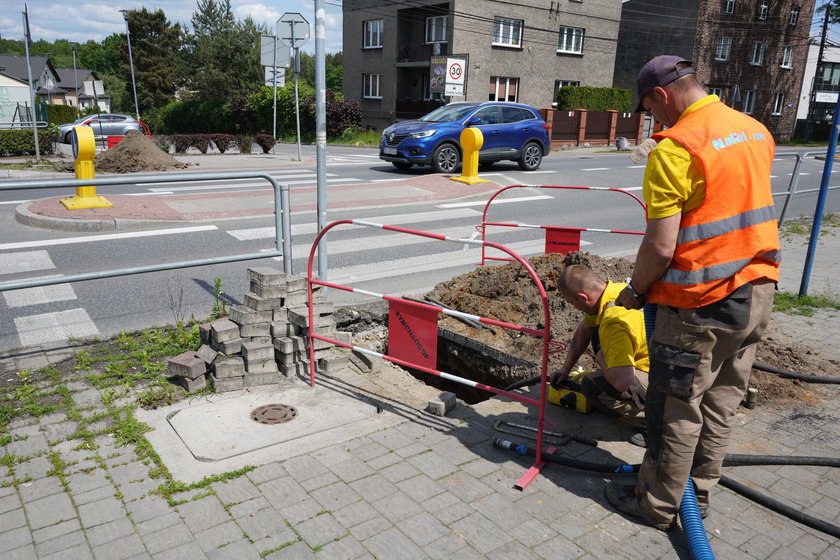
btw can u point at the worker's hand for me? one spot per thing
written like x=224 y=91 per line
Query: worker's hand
x=557 y=377
x=625 y=299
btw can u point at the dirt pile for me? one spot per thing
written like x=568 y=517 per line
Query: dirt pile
x=507 y=293
x=134 y=153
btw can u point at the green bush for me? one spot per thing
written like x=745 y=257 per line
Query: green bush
x=570 y=98
x=266 y=142
x=224 y=141
x=61 y=114
x=22 y=142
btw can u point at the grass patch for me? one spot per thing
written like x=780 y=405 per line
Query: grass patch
x=802 y=226
x=793 y=304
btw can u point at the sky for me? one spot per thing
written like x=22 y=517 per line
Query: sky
x=83 y=20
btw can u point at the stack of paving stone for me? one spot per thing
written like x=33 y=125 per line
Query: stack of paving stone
x=265 y=341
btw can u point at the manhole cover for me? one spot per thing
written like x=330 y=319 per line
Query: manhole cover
x=273 y=413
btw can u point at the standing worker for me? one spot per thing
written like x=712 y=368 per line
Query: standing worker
x=617 y=335
x=710 y=259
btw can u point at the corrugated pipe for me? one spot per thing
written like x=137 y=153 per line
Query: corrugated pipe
x=692 y=525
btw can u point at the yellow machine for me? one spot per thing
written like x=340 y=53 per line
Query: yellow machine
x=571 y=398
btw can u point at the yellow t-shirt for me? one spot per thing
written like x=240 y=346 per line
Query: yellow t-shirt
x=620 y=330
x=673 y=181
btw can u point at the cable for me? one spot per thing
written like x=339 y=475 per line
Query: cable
x=793 y=375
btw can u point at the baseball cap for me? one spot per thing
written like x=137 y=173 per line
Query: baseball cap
x=660 y=71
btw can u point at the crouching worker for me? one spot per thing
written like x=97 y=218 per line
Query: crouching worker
x=617 y=335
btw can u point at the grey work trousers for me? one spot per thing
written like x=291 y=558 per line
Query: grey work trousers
x=700 y=369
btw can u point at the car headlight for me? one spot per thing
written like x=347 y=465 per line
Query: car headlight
x=422 y=133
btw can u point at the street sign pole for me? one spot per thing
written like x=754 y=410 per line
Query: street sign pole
x=321 y=133
x=274 y=87
x=297 y=100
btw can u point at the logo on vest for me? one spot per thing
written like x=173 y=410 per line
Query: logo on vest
x=735 y=138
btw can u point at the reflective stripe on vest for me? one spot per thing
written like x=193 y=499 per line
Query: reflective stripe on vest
x=715 y=272
x=727 y=225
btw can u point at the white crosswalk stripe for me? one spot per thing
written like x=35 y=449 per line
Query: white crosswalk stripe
x=35 y=330
x=40 y=295
x=26 y=261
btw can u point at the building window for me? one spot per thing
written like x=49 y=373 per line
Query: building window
x=373 y=34
x=436 y=29
x=729 y=7
x=724 y=47
x=757 y=53
x=503 y=89
x=571 y=40
x=778 y=103
x=507 y=32
x=794 y=15
x=787 y=57
x=716 y=91
x=370 y=86
x=763 y=8
x=749 y=101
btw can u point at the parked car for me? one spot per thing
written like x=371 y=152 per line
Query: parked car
x=103 y=125
x=511 y=132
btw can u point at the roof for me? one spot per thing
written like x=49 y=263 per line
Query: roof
x=15 y=65
x=67 y=77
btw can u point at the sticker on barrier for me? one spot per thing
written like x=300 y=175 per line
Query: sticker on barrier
x=413 y=332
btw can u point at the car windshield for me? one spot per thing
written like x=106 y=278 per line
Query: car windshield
x=449 y=113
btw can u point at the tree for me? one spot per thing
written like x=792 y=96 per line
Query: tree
x=333 y=70
x=223 y=53
x=102 y=58
x=154 y=46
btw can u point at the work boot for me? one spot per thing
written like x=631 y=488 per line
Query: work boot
x=704 y=511
x=623 y=497
x=639 y=438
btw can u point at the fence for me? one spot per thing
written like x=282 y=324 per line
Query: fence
x=557 y=239
x=282 y=223
x=597 y=128
x=414 y=343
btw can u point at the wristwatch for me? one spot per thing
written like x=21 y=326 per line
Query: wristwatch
x=633 y=293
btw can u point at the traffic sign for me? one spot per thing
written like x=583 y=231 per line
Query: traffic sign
x=292 y=29
x=268 y=45
x=456 y=74
x=279 y=77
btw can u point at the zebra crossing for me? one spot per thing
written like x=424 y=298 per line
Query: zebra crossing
x=53 y=313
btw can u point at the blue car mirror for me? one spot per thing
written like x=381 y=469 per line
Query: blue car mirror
x=473 y=121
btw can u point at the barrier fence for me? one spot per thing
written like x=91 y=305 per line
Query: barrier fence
x=282 y=223
x=557 y=239
x=413 y=330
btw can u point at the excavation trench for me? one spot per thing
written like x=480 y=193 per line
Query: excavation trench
x=499 y=357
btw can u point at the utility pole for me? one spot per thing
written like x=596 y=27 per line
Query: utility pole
x=131 y=64
x=27 y=37
x=75 y=78
x=809 y=122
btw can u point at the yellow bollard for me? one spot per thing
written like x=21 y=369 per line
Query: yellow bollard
x=471 y=141
x=84 y=150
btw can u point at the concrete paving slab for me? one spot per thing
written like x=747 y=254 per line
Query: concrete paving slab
x=216 y=434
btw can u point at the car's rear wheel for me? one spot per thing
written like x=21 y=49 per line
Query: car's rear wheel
x=531 y=157
x=445 y=159
x=401 y=164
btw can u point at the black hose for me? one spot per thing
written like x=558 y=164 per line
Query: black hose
x=523 y=383
x=793 y=375
x=779 y=507
x=729 y=460
x=735 y=460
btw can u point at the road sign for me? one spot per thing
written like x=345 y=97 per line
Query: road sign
x=456 y=73
x=292 y=29
x=280 y=76
x=268 y=44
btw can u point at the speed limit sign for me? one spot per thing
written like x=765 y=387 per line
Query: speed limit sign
x=455 y=76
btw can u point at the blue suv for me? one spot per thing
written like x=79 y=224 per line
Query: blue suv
x=511 y=132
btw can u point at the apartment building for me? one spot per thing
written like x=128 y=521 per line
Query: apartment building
x=513 y=51
x=751 y=53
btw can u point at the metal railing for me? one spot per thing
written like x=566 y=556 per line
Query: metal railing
x=282 y=223
x=794 y=180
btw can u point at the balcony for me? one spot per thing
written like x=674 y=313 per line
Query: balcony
x=419 y=52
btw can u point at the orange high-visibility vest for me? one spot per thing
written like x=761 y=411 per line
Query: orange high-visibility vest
x=731 y=238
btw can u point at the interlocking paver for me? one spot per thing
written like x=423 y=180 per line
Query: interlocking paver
x=249 y=507
x=102 y=511
x=481 y=533
x=63 y=543
x=370 y=527
x=397 y=507
x=44 y=512
x=186 y=551
x=423 y=528
x=297 y=551
x=32 y=445
x=432 y=465
x=393 y=544
x=158 y=523
x=57 y=530
x=335 y=496
x=235 y=491
x=15 y=538
x=373 y=487
x=325 y=479
x=446 y=547
x=172 y=537
x=202 y=514
x=9 y=503
x=110 y=531
x=23 y=553
x=267 y=529
x=240 y=550
x=218 y=536
x=35 y=468
x=120 y=549
x=267 y=472
x=304 y=467
x=12 y=520
x=283 y=492
x=351 y=469
x=344 y=548
x=147 y=508
x=80 y=551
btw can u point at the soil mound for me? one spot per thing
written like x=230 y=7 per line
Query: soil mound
x=507 y=293
x=135 y=153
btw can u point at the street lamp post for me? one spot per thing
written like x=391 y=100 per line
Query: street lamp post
x=131 y=63
x=75 y=79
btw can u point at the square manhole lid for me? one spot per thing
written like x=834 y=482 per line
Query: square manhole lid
x=214 y=431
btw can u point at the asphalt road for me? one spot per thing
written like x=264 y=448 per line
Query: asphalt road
x=367 y=258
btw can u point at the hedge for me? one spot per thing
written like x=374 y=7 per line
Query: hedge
x=61 y=114
x=570 y=98
x=22 y=142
